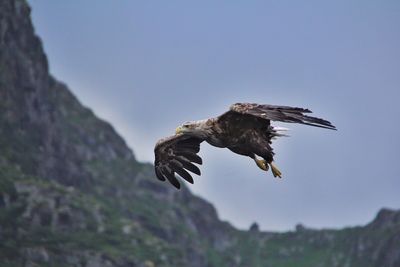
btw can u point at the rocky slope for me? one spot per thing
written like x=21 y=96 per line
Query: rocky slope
x=72 y=193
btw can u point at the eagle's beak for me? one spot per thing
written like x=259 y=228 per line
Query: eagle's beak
x=179 y=130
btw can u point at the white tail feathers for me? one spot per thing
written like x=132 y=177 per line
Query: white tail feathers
x=281 y=129
x=278 y=132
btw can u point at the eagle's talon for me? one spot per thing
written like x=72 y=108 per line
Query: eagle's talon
x=262 y=164
x=275 y=171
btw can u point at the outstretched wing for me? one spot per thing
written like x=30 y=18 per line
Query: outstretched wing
x=280 y=113
x=176 y=154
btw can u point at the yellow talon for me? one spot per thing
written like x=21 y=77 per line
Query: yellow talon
x=262 y=164
x=275 y=171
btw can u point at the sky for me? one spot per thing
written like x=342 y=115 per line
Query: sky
x=148 y=66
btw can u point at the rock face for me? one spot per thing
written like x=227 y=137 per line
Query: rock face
x=72 y=193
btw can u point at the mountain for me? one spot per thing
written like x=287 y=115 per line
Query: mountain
x=73 y=194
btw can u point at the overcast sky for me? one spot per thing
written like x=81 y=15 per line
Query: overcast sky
x=147 y=66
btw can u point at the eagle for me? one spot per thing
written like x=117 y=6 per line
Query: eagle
x=245 y=130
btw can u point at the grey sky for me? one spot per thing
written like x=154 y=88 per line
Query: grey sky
x=147 y=66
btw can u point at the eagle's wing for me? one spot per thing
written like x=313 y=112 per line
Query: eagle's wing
x=176 y=154
x=279 y=113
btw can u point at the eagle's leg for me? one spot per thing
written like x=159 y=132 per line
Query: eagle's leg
x=261 y=163
x=275 y=171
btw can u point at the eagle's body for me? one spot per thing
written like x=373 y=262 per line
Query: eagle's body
x=245 y=129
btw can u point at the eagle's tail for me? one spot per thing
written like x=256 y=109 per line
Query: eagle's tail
x=293 y=115
x=281 y=113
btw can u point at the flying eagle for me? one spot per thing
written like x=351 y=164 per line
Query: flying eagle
x=245 y=130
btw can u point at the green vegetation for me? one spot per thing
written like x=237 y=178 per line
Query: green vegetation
x=19 y=228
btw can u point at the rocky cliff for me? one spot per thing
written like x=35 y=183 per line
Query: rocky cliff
x=73 y=194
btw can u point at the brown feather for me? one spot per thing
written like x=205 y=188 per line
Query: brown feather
x=173 y=155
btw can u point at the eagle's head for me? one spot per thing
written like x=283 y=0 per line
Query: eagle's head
x=196 y=128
